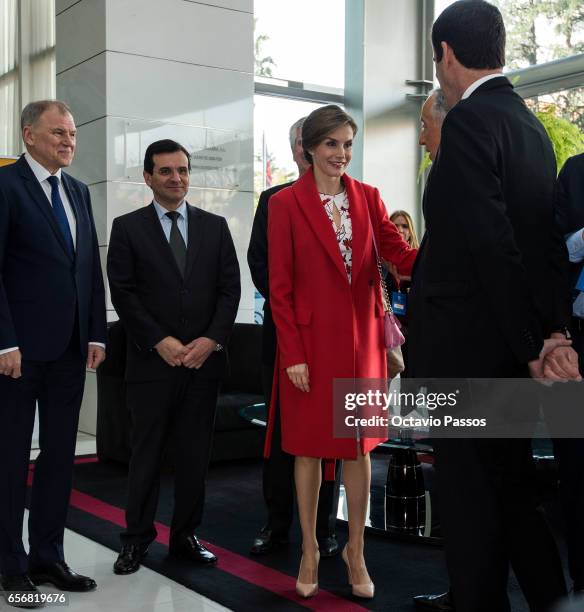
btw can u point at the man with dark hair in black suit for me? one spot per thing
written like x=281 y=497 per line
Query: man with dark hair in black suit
x=278 y=474
x=52 y=326
x=486 y=298
x=174 y=281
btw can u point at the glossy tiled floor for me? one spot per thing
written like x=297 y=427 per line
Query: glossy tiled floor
x=144 y=591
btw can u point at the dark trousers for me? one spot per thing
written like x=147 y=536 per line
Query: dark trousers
x=490 y=518
x=58 y=388
x=569 y=453
x=278 y=482
x=179 y=413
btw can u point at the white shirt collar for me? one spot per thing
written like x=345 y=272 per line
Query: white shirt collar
x=181 y=210
x=40 y=172
x=478 y=83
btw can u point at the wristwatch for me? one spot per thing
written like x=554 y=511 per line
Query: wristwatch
x=565 y=331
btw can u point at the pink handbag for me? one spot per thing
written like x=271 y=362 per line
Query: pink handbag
x=392 y=332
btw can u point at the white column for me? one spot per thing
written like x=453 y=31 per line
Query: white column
x=136 y=71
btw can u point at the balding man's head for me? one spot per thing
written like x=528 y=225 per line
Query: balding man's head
x=433 y=112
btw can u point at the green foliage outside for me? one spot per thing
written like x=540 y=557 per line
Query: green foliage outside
x=424 y=165
x=541 y=31
x=566 y=137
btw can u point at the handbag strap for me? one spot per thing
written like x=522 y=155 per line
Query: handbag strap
x=384 y=292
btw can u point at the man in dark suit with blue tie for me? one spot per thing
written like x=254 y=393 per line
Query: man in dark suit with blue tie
x=52 y=325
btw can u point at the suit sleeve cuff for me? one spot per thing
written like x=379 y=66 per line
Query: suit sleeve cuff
x=575 y=244
x=8 y=350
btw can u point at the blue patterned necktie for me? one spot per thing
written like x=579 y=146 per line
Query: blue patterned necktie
x=60 y=215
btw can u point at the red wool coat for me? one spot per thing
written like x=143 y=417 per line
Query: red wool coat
x=321 y=319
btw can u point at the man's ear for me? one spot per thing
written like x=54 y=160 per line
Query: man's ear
x=147 y=178
x=447 y=53
x=27 y=135
x=445 y=49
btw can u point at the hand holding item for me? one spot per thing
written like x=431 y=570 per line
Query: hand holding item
x=547 y=367
x=10 y=364
x=171 y=350
x=95 y=356
x=198 y=351
x=298 y=375
x=392 y=269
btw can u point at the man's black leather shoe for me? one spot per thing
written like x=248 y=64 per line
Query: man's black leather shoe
x=62 y=576
x=129 y=559
x=329 y=547
x=16 y=586
x=438 y=603
x=192 y=550
x=266 y=542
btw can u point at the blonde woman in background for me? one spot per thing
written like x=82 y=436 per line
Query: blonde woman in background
x=405 y=225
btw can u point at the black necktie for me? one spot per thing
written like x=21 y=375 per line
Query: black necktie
x=177 y=244
x=60 y=215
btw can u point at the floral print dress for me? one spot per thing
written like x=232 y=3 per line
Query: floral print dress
x=345 y=232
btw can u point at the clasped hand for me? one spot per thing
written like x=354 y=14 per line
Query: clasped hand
x=558 y=362
x=192 y=355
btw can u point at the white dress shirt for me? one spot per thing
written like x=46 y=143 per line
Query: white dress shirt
x=575 y=244
x=473 y=86
x=42 y=176
x=182 y=221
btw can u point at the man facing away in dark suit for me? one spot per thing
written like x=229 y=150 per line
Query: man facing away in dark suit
x=486 y=292
x=52 y=325
x=278 y=474
x=570 y=451
x=174 y=281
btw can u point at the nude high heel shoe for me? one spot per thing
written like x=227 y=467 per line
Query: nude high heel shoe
x=365 y=590
x=307 y=589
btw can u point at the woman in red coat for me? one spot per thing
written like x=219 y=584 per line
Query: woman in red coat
x=326 y=302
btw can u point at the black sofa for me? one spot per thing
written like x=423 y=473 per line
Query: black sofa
x=234 y=436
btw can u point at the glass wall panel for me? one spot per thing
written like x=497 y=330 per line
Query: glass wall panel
x=273 y=163
x=568 y=104
x=8 y=77
x=562 y=114
x=301 y=41
x=27 y=63
x=41 y=25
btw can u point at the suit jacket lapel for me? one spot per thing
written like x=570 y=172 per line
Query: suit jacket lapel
x=195 y=230
x=309 y=203
x=427 y=189
x=39 y=197
x=159 y=240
